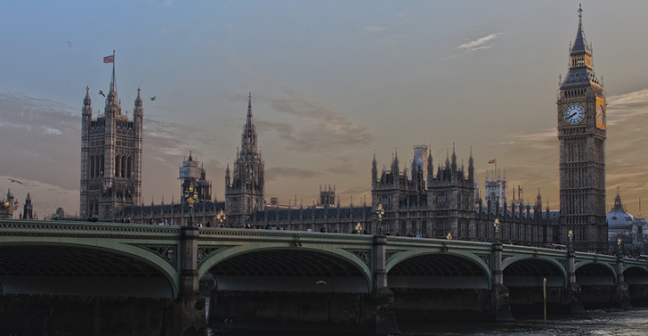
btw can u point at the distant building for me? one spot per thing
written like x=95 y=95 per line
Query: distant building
x=327 y=196
x=631 y=230
x=7 y=206
x=193 y=175
x=28 y=209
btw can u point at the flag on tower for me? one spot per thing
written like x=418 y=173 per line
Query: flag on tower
x=109 y=59
x=492 y=161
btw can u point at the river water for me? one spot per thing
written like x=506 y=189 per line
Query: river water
x=595 y=322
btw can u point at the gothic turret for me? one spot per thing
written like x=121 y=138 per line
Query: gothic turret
x=138 y=100
x=28 y=212
x=454 y=159
x=245 y=195
x=374 y=170
x=471 y=167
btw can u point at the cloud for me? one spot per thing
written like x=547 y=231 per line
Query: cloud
x=313 y=127
x=272 y=174
x=479 y=44
x=483 y=43
x=623 y=107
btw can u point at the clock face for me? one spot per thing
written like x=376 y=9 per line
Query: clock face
x=574 y=114
x=600 y=117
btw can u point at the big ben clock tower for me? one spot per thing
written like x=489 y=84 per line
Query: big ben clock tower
x=581 y=132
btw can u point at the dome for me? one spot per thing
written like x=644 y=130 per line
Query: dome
x=618 y=218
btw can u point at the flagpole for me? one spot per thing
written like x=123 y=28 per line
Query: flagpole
x=113 y=74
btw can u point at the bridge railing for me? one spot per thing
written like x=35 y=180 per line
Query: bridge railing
x=228 y=233
x=12 y=227
x=439 y=243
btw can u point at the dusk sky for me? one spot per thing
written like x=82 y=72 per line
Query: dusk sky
x=331 y=82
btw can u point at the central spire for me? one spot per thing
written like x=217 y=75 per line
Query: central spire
x=249 y=137
x=249 y=114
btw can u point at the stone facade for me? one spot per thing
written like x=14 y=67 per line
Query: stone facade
x=111 y=157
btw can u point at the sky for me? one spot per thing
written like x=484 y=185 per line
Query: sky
x=332 y=83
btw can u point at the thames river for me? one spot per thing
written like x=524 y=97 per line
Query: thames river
x=596 y=322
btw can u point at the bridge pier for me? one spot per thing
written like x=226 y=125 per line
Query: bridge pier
x=189 y=307
x=621 y=296
x=383 y=297
x=573 y=297
x=499 y=305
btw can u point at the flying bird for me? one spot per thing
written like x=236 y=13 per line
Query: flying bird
x=153 y=98
x=101 y=93
x=14 y=181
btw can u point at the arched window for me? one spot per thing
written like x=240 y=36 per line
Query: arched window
x=122 y=173
x=117 y=166
x=129 y=168
x=101 y=167
x=92 y=166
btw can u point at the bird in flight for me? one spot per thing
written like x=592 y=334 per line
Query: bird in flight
x=153 y=98
x=14 y=181
x=101 y=93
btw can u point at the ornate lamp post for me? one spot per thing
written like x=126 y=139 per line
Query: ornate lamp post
x=620 y=251
x=570 y=247
x=497 y=226
x=191 y=195
x=11 y=205
x=380 y=212
x=358 y=228
x=221 y=218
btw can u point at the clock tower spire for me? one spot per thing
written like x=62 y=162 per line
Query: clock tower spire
x=581 y=133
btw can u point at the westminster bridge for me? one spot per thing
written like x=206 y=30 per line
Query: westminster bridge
x=54 y=272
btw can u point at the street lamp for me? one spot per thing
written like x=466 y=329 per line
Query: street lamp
x=11 y=205
x=571 y=241
x=497 y=226
x=380 y=212
x=358 y=228
x=221 y=218
x=619 y=241
x=191 y=195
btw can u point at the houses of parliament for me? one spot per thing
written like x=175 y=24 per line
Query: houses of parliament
x=441 y=201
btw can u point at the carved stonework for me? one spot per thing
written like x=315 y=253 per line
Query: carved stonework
x=166 y=252
x=205 y=252
x=364 y=255
x=486 y=258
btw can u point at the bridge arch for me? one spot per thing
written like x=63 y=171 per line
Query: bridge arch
x=593 y=273
x=78 y=266
x=442 y=269
x=636 y=275
x=277 y=267
x=529 y=271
